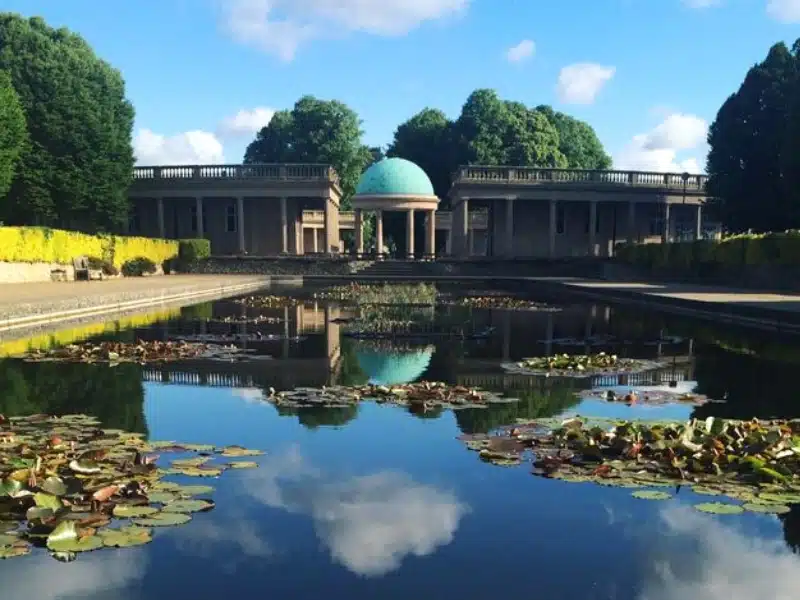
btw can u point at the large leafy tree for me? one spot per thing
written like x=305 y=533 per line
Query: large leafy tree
x=13 y=133
x=577 y=141
x=751 y=150
x=76 y=168
x=315 y=131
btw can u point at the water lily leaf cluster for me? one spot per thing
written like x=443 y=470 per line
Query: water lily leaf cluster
x=580 y=365
x=267 y=301
x=757 y=462
x=492 y=301
x=649 y=397
x=424 y=395
x=381 y=294
x=71 y=486
x=142 y=352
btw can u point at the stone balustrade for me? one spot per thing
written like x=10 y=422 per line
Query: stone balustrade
x=316 y=218
x=533 y=175
x=269 y=172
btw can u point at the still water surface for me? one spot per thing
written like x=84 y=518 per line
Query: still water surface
x=376 y=502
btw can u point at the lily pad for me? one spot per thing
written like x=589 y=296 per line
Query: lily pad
x=15 y=550
x=127 y=511
x=651 y=495
x=194 y=490
x=720 y=508
x=773 y=509
x=190 y=462
x=54 y=486
x=779 y=498
x=188 y=506
x=234 y=451
x=242 y=464
x=85 y=544
x=706 y=491
x=163 y=519
x=126 y=537
x=199 y=472
x=43 y=500
x=161 y=497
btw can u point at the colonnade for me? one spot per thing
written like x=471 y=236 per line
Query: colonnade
x=430 y=232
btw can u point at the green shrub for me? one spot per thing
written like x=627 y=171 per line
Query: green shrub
x=105 y=266
x=194 y=249
x=136 y=267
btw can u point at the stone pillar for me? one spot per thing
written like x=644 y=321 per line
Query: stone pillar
x=448 y=243
x=160 y=210
x=632 y=237
x=240 y=224
x=509 y=227
x=410 y=234
x=284 y=227
x=359 y=225
x=328 y=227
x=199 y=209
x=665 y=233
x=299 y=233
x=460 y=226
x=379 y=232
x=470 y=236
x=551 y=232
x=316 y=240
x=698 y=223
x=592 y=228
x=430 y=237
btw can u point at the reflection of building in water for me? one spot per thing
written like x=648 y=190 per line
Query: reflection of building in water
x=393 y=366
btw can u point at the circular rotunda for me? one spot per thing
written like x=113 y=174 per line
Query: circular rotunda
x=396 y=184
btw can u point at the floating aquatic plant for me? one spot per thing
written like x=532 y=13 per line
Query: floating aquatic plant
x=491 y=301
x=580 y=365
x=139 y=352
x=71 y=486
x=648 y=397
x=381 y=294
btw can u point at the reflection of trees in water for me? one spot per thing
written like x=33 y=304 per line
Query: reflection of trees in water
x=546 y=400
x=791 y=528
x=313 y=417
x=350 y=372
x=115 y=395
x=754 y=387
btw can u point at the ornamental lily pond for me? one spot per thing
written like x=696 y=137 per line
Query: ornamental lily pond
x=389 y=442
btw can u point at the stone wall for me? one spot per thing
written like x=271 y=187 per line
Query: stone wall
x=278 y=266
x=11 y=272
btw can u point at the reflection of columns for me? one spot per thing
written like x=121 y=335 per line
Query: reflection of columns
x=592 y=228
x=284 y=227
x=240 y=223
x=665 y=226
x=551 y=248
x=198 y=206
x=698 y=223
x=328 y=227
x=506 y=335
x=548 y=336
x=632 y=222
x=509 y=227
x=285 y=332
x=379 y=232
x=160 y=210
x=430 y=234
x=359 y=231
x=410 y=233
x=448 y=243
x=470 y=236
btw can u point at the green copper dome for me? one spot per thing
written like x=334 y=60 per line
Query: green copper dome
x=394 y=176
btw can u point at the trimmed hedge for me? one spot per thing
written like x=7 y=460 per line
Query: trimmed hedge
x=136 y=267
x=192 y=250
x=781 y=249
x=42 y=244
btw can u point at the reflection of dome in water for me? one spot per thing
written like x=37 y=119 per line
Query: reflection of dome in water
x=394 y=368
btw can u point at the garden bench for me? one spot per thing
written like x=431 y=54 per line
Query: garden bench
x=83 y=272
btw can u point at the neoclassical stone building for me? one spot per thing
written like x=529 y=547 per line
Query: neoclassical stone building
x=504 y=212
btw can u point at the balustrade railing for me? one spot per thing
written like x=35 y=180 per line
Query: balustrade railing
x=271 y=172
x=523 y=175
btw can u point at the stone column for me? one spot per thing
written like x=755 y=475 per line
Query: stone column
x=448 y=244
x=698 y=223
x=359 y=225
x=284 y=227
x=410 y=234
x=199 y=208
x=592 y=228
x=160 y=210
x=299 y=232
x=460 y=226
x=470 y=235
x=551 y=232
x=632 y=237
x=430 y=238
x=316 y=240
x=509 y=227
x=665 y=233
x=379 y=232
x=240 y=224
x=328 y=227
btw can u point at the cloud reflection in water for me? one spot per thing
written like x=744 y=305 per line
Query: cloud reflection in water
x=368 y=523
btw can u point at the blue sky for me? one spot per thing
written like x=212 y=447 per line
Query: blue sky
x=648 y=75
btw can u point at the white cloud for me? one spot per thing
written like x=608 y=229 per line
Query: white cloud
x=246 y=122
x=784 y=11
x=663 y=148
x=369 y=523
x=279 y=27
x=188 y=148
x=723 y=564
x=580 y=83
x=522 y=51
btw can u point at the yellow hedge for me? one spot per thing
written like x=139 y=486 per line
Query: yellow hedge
x=733 y=251
x=41 y=244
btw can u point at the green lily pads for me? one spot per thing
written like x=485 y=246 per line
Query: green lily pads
x=720 y=508
x=166 y=486
x=706 y=491
x=161 y=497
x=194 y=490
x=235 y=451
x=54 y=486
x=651 y=495
x=126 y=511
x=199 y=447
x=188 y=506
x=86 y=544
x=163 y=519
x=779 y=498
x=245 y=464
x=772 y=509
x=8 y=540
x=126 y=537
x=43 y=500
x=15 y=550
x=182 y=463
x=619 y=482
x=12 y=488
x=199 y=472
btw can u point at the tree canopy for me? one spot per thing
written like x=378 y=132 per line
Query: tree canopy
x=754 y=147
x=315 y=131
x=77 y=166
x=13 y=132
x=577 y=141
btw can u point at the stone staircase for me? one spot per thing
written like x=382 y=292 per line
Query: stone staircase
x=397 y=269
